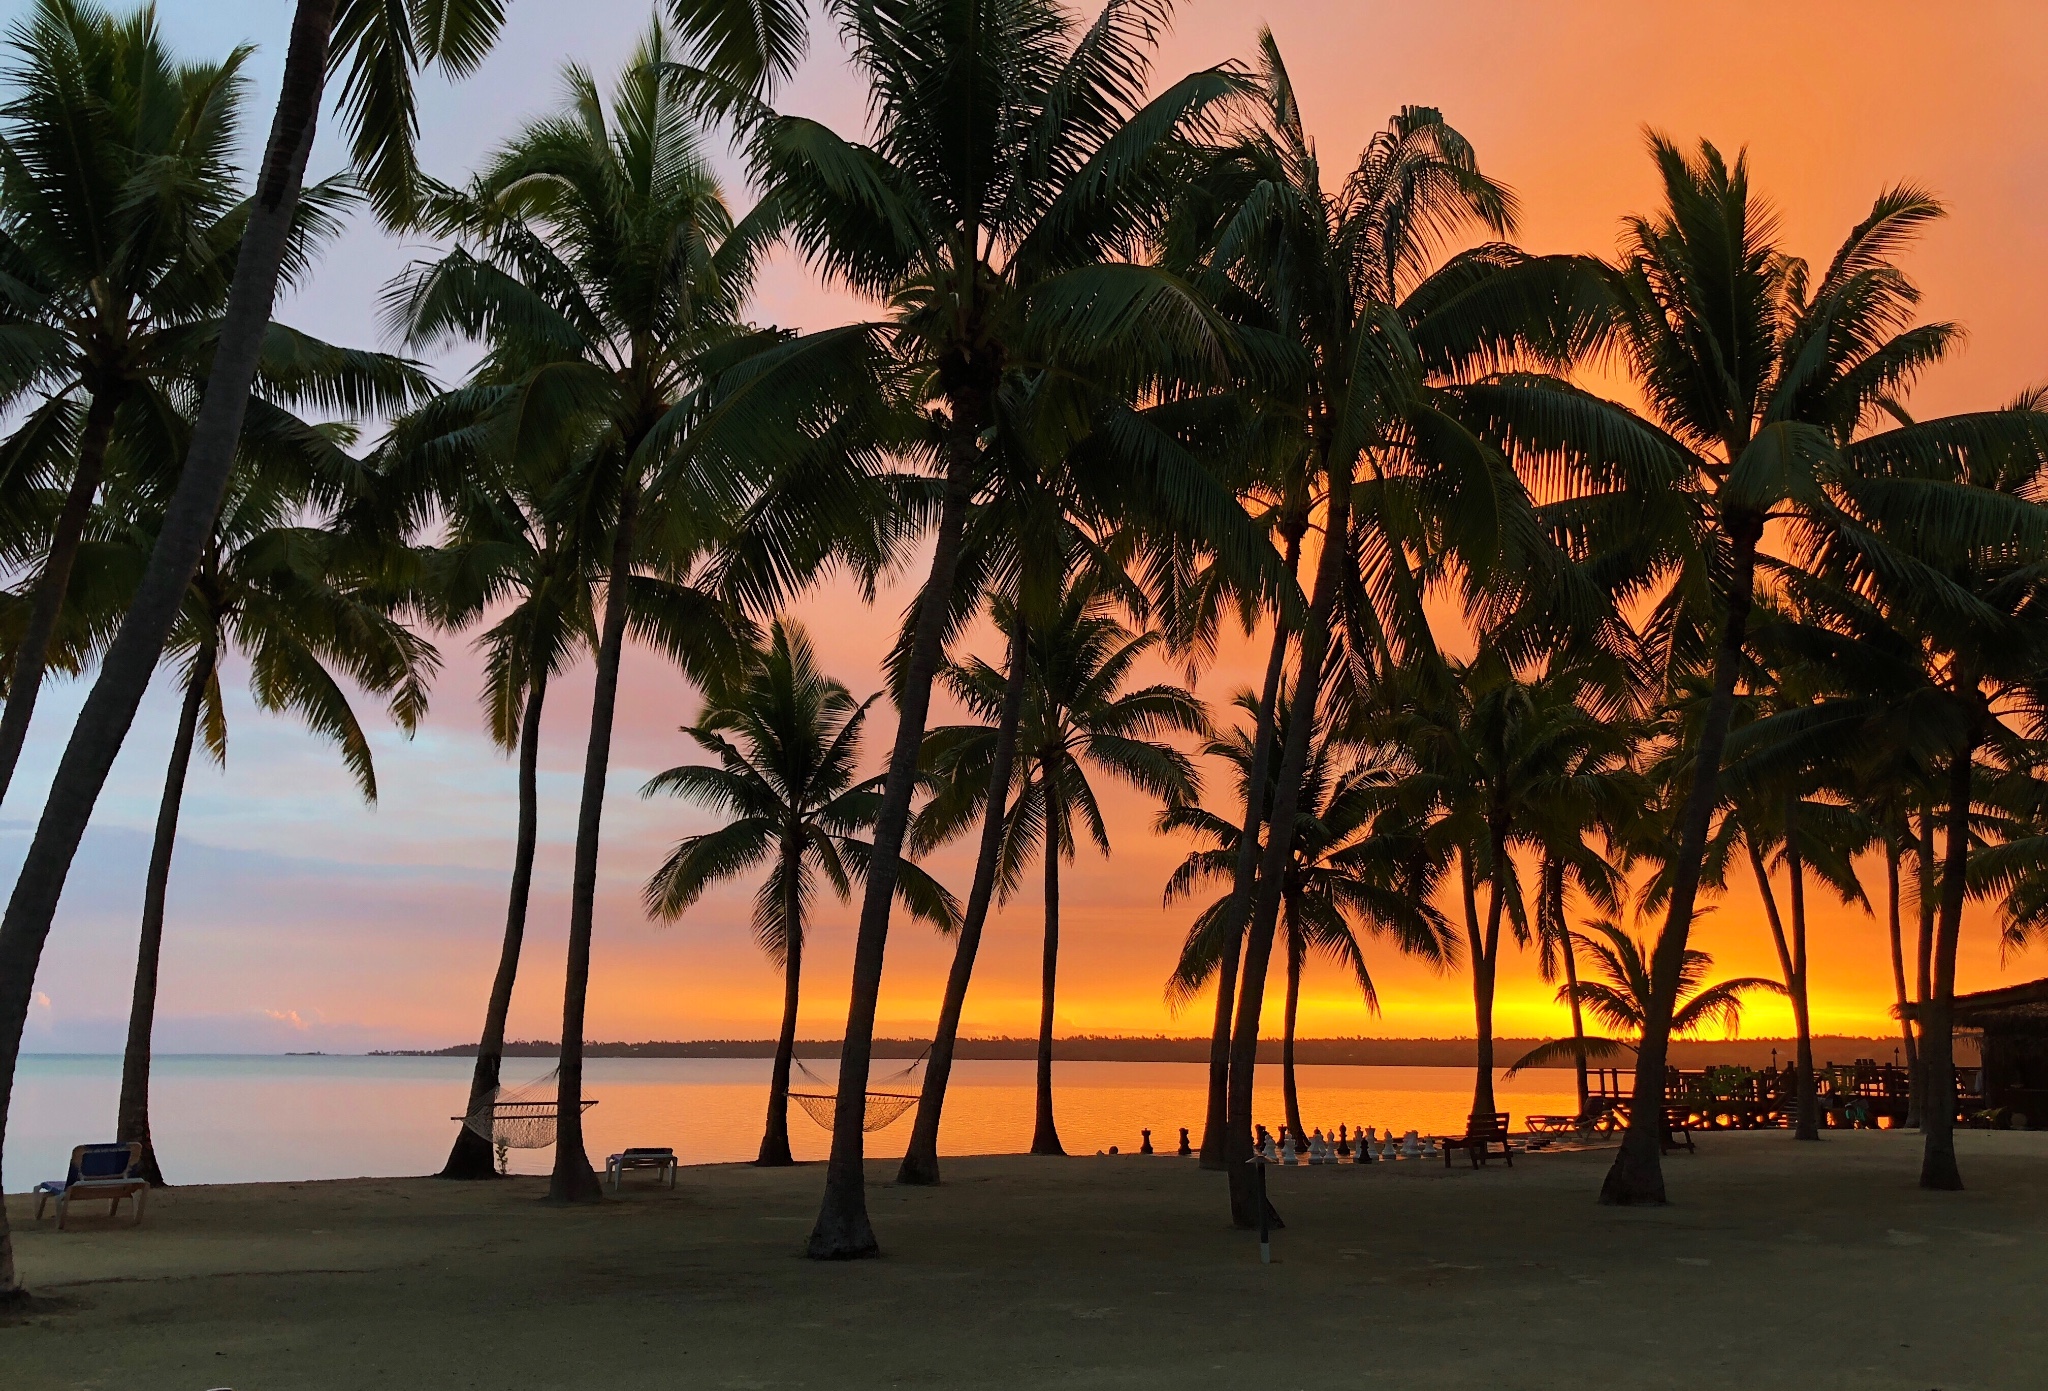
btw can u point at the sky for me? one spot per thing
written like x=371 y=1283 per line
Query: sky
x=299 y=918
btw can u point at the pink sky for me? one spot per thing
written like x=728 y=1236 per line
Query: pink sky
x=300 y=919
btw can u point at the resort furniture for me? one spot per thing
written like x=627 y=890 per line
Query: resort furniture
x=1678 y=1127
x=97 y=1171
x=1483 y=1131
x=662 y=1160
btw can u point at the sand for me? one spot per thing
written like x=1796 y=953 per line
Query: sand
x=1779 y=1265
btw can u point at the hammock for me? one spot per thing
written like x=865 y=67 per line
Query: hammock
x=522 y=1119
x=885 y=1106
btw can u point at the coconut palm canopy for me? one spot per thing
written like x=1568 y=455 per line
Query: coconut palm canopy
x=1622 y=1000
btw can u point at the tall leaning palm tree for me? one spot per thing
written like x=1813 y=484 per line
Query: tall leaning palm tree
x=305 y=606
x=1013 y=162
x=597 y=259
x=1387 y=343
x=786 y=740
x=374 y=47
x=1767 y=382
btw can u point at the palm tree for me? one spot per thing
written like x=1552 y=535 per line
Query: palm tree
x=1623 y=1001
x=513 y=553
x=1505 y=763
x=1764 y=382
x=297 y=603
x=787 y=741
x=1077 y=715
x=1354 y=863
x=117 y=228
x=1923 y=632
x=121 y=215
x=1383 y=349
x=376 y=46
x=1013 y=164
x=597 y=258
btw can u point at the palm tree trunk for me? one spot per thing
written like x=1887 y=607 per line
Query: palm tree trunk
x=1571 y=985
x=1289 y=1090
x=1771 y=916
x=1216 y=1120
x=1892 y=919
x=1045 y=1136
x=470 y=1157
x=842 y=1231
x=775 y=1139
x=47 y=600
x=1938 y=1167
x=188 y=520
x=1923 y=956
x=132 y=1114
x=1808 y=1117
x=1485 y=972
x=1265 y=896
x=1482 y=987
x=921 y=1159
x=573 y=1180
x=1637 y=1175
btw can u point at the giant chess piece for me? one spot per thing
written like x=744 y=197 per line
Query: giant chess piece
x=1145 y=1145
x=1185 y=1149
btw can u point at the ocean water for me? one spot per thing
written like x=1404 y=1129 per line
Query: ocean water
x=241 y=1119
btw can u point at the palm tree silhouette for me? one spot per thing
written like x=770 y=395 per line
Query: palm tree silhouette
x=1077 y=715
x=1623 y=1000
x=1352 y=865
x=786 y=738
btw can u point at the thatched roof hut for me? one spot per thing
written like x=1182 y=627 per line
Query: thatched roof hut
x=2014 y=1025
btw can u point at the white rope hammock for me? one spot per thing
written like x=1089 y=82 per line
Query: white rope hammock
x=521 y=1119
x=896 y=1094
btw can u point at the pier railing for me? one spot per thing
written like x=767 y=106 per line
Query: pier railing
x=1739 y=1098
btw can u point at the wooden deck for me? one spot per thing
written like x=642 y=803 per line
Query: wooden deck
x=1736 y=1098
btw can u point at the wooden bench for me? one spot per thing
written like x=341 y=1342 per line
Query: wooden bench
x=1483 y=1131
x=1675 y=1132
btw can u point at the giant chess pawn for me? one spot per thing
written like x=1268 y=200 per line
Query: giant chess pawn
x=1288 y=1154
x=1343 y=1142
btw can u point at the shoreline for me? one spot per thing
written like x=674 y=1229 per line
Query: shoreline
x=1026 y=1273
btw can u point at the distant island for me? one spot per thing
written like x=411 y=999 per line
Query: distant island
x=1094 y=1048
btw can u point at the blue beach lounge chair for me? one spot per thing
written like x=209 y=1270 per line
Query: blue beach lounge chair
x=97 y=1171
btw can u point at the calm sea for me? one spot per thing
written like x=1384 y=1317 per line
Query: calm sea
x=239 y=1119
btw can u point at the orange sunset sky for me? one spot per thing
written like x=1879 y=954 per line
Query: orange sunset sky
x=301 y=919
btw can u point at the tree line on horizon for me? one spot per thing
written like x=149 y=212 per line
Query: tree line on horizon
x=1141 y=369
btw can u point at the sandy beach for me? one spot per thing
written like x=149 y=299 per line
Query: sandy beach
x=1779 y=1265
